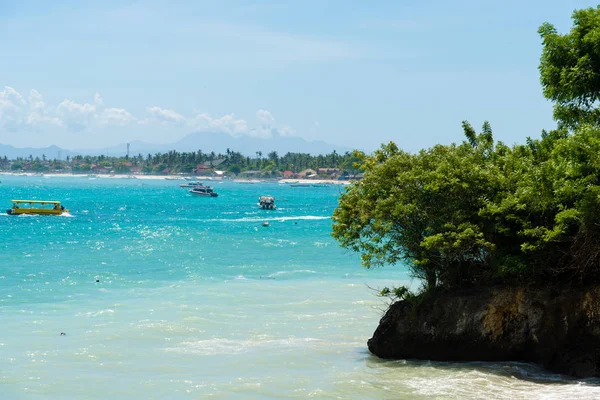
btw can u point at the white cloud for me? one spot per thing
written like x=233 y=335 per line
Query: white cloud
x=226 y=124
x=11 y=109
x=265 y=118
x=36 y=102
x=10 y=95
x=265 y=128
x=76 y=116
x=164 y=116
x=115 y=117
x=17 y=113
x=286 y=131
x=98 y=102
x=38 y=113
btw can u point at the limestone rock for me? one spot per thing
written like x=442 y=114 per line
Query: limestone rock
x=559 y=329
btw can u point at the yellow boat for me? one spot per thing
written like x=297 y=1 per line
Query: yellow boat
x=41 y=207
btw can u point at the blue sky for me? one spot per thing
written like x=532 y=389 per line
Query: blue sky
x=97 y=73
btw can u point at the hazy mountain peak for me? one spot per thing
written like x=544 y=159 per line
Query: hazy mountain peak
x=205 y=141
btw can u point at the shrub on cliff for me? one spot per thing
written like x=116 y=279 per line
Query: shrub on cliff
x=480 y=212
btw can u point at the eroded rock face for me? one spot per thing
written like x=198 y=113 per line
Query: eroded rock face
x=557 y=329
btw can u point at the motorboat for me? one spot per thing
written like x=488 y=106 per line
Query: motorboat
x=266 y=202
x=37 y=207
x=205 y=191
x=192 y=184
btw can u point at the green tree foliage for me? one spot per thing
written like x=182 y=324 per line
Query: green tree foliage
x=480 y=212
x=186 y=162
x=570 y=69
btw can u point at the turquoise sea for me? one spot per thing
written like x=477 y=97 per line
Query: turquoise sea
x=162 y=295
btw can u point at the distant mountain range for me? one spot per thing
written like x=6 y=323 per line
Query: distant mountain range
x=50 y=152
x=207 y=142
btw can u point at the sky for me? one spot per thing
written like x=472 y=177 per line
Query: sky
x=96 y=73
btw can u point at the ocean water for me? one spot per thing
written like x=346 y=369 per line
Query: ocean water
x=196 y=299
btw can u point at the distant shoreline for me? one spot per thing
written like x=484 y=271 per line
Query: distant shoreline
x=180 y=178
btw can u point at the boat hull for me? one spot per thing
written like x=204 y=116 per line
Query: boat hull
x=213 y=194
x=266 y=202
x=34 y=211
x=192 y=185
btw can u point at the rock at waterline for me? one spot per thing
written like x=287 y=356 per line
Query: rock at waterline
x=559 y=329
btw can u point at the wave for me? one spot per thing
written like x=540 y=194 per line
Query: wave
x=296 y=271
x=65 y=215
x=278 y=219
x=226 y=346
x=95 y=314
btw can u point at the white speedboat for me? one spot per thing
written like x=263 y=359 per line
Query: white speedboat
x=266 y=202
x=192 y=184
x=205 y=191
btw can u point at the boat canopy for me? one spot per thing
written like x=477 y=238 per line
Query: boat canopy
x=36 y=201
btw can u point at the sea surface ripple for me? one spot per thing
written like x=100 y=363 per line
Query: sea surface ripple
x=162 y=295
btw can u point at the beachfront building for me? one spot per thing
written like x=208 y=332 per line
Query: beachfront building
x=329 y=173
x=307 y=174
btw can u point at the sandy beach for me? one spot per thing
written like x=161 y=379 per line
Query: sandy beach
x=98 y=176
x=179 y=177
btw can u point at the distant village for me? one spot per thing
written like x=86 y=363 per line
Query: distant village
x=231 y=164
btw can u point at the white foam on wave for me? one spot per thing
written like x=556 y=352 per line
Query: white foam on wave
x=278 y=219
x=218 y=346
x=495 y=382
x=67 y=215
x=296 y=271
x=95 y=314
x=279 y=243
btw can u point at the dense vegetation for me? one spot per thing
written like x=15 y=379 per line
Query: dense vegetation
x=570 y=69
x=187 y=162
x=481 y=212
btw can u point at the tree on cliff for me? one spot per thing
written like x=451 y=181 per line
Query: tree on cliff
x=570 y=69
x=423 y=210
x=480 y=212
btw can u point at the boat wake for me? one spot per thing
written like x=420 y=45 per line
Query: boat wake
x=278 y=219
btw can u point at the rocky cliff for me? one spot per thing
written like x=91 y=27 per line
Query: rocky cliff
x=559 y=329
